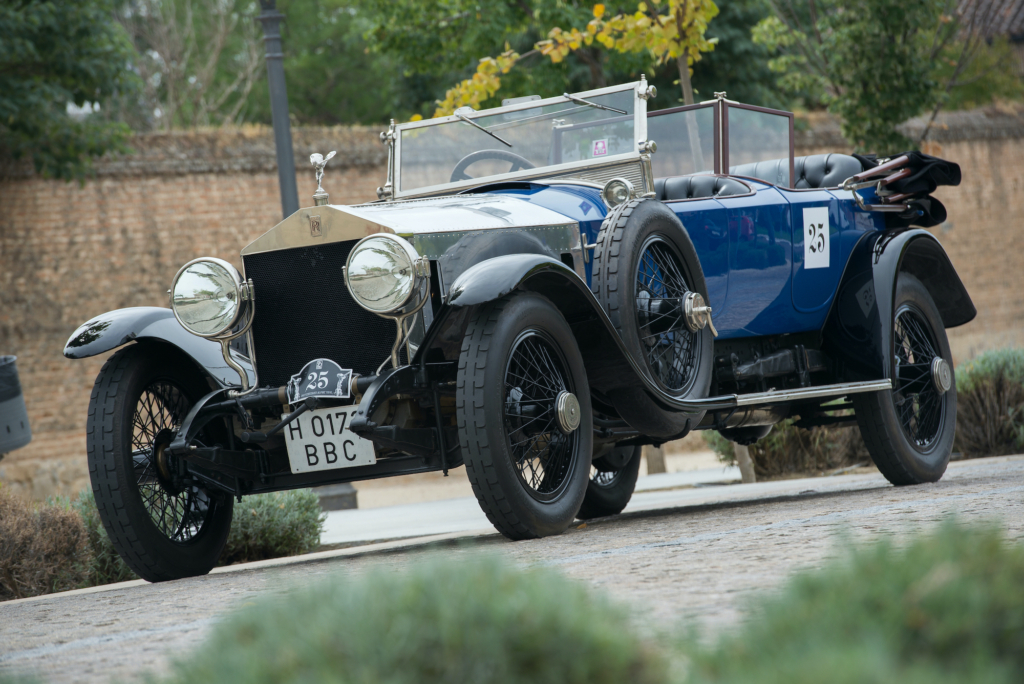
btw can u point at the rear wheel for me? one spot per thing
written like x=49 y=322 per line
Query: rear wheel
x=610 y=488
x=524 y=416
x=162 y=526
x=909 y=429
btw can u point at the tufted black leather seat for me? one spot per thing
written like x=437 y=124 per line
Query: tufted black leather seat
x=812 y=171
x=697 y=187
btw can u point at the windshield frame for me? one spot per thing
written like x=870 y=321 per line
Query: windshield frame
x=639 y=130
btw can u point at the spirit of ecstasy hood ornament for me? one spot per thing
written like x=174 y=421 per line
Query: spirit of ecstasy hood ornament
x=319 y=162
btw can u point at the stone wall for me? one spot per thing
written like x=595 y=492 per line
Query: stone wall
x=69 y=252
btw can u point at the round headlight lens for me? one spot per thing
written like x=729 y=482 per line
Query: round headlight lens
x=205 y=296
x=381 y=273
x=616 y=191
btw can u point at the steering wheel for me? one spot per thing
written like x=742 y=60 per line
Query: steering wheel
x=459 y=172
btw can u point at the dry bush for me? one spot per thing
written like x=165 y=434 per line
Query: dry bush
x=990 y=404
x=789 y=450
x=43 y=548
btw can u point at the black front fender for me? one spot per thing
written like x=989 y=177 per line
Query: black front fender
x=858 y=331
x=116 y=328
x=610 y=367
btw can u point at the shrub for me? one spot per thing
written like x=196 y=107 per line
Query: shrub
x=43 y=548
x=274 y=525
x=484 y=620
x=990 y=404
x=106 y=566
x=949 y=607
x=789 y=450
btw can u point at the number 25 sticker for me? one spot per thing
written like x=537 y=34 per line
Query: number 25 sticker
x=816 y=252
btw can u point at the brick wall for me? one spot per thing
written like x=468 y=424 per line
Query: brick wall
x=69 y=252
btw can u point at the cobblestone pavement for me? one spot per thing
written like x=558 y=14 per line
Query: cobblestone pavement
x=692 y=564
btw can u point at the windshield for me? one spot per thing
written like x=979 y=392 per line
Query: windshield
x=531 y=138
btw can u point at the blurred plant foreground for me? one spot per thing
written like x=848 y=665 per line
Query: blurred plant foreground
x=946 y=606
x=77 y=76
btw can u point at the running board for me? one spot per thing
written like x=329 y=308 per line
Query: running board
x=787 y=395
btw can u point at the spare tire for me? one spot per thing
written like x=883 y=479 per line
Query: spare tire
x=644 y=266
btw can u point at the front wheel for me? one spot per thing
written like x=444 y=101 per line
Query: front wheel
x=909 y=429
x=524 y=416
x=163 y=526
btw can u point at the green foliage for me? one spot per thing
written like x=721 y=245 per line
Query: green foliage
x=990 y=404
x=105 y=565
x=737 y=65
x=43 y=548
x=435 y=43
x=53 y=54
x=874 y=68
x=483 y=620
x=789 y=451
x=332 y=77
x=274 y=525
x=948 y=607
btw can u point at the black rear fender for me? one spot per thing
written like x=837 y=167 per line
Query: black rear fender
x=858 y=331
x=152 y=324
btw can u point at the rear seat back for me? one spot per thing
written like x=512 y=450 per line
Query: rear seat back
x=813 y=171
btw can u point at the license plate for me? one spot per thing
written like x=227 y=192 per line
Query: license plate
x=321 y=440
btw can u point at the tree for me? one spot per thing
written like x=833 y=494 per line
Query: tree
x=52 y=55
x=874 y=65
x=670 y=32
x=442 y=41
x=198 y=60
x=673 y=32
x=332 y=77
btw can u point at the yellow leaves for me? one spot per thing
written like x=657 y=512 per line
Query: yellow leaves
x=484 y=83
x=665 y=28
x=416 y=117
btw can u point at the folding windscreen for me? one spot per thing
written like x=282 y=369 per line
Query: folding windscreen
x=725 y=138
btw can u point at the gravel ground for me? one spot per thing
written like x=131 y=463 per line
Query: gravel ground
x=695 y=564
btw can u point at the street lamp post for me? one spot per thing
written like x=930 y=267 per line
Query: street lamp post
x=271 y=20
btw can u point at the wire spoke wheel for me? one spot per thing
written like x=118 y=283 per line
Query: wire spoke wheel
x=604 y=479
x=534 y=377
x=919 y=405
x=178 y=513
x=670 y=349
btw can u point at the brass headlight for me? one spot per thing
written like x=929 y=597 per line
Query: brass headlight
x=206 y=296
x=385 y=274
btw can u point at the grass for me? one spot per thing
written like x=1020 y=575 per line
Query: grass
x=990 y=404
x=943 y=607
x=789 y=450
x=947 y=607
x=482 y=620
x=43 y=548
x=61 y=544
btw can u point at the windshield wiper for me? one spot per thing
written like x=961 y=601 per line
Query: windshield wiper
x=580 y=100
x=476 y=125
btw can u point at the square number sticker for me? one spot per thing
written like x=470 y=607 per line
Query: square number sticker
x=600 y=148
x=816 y=237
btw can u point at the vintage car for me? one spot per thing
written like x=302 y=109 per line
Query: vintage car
x=541 y=289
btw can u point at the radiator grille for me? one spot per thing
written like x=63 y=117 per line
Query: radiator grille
x=631 y=171
x=305 y=312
